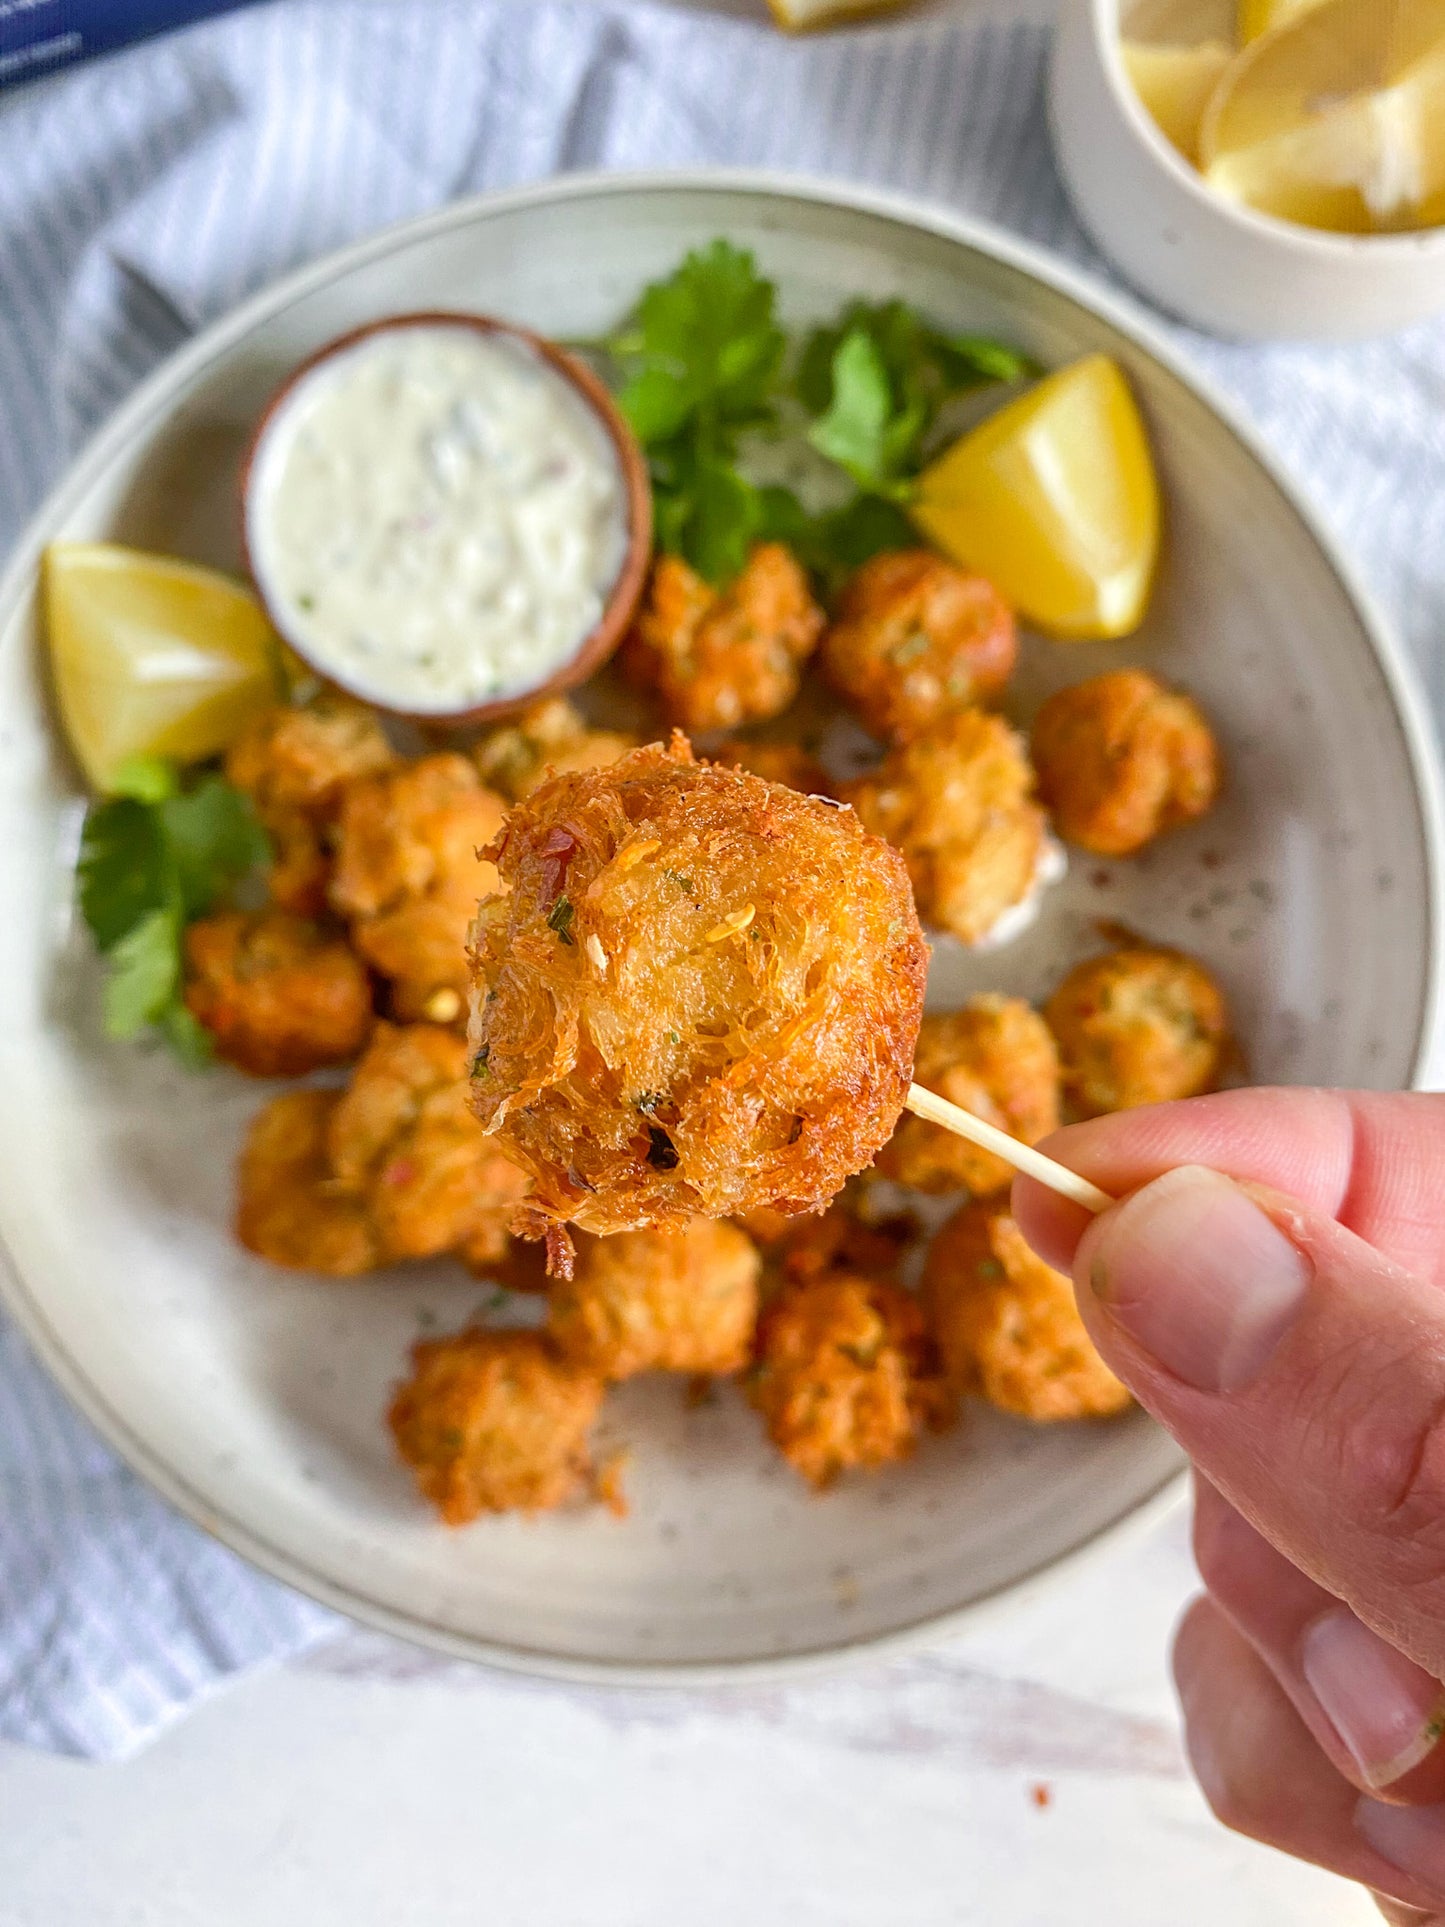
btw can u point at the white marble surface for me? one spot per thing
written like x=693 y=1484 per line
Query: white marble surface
x=1030 y=1774
x=374 y=1784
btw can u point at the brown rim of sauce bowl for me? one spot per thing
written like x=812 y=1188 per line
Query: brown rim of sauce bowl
x=598 y=644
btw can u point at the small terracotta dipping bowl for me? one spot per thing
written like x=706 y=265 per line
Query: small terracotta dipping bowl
x=597 y=645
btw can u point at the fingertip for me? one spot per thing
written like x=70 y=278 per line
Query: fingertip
x=1052 y=1225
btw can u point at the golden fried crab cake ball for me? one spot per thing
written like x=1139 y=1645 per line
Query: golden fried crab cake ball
x=996 y=1058
x=294 y=763
x=288 y=1209
x=787 y=763
x=409 y=874
x=548 y=739
x=495 y=1421
x=1120 y=759
x=837 y=1240
x=916 y=638
x=277 y=996
x=843 y=1376
x=1007 y=1326
x=958 y=802
x=700 y=994
x=1138 y=1026
x=404 y=1138
x=682 y=1300
x=717 y=658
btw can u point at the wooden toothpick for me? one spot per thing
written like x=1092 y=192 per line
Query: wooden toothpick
x=1022 y=1157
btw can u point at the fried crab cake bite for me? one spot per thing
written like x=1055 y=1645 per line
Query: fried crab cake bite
x=683 y=1300
x=717 y=658
x=549 y=739
x=409 y=873
x=843 y=1375
x=1138 y=1026
x=787 y=763
x=294 y=763
x=958 y=802
x=838 y=1240
x=1006 y=1324
x=495 y=1421
x=915 y=639
x=403 y=1137
x=277 y=996
x=288 y=1209
x=700 y=994
x=1120 y=759
x=996 y=1058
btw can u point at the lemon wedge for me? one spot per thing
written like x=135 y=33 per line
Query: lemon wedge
x=1258 y=17
x=1055 y=499
x=801 y=16
x=1174 y=84
x=1336 y=119
x=151 y=656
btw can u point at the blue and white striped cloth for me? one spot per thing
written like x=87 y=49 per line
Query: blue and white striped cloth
x=142 y=196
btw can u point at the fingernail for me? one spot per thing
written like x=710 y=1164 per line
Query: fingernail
x=1386 y=1709
x=1410 y=1838
x=1196 y=1273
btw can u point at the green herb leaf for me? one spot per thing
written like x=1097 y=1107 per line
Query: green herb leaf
x=149 y=779
x=874 y=410
x=144 y=974
x=854 y=431
x=190 y=1040
x=214 y=840
x=122 y=873
x=561 y=917
x=150 y=860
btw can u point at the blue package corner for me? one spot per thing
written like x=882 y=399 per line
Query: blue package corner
x=37 y=36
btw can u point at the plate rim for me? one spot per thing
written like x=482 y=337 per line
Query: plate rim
x=1411 y=711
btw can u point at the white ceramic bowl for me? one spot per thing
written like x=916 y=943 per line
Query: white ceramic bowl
x=1217 y=264
x=253 y=1398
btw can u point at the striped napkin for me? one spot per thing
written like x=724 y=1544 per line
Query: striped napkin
x=144 y=195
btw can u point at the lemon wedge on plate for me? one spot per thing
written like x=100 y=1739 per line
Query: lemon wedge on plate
x=1055 y=500
x=151 y=656
x=1175 y=84
x=1336 y=119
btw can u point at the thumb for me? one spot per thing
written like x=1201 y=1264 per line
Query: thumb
x=1301 y=1369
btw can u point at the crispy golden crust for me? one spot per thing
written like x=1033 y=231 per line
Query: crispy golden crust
x=837 y=1240
x=1120 y=759
x=409 y=876
x=843 y=1376
x=701 y=995
x=277 y=995
x=916 y=639
x=996 y=1058
x=1007 y=1326
x=667 y=1301
x=958 y=802
x=718 y=658
x=1138 y=1026
x=288 y=1210
x=787 y=763
x=294 y=764
x=404 y=1138
x=549 y=739
x=495 y=1421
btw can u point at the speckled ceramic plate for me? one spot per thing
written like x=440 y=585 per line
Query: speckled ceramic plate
x=253 y=1399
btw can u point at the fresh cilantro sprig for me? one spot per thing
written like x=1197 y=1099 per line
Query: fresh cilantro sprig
x=875 y=381
x=153 y=855
x=702 y=358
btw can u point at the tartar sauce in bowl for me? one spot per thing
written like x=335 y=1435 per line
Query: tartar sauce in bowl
x=446 y=516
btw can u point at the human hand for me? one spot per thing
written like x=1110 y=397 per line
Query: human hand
x=1286 y=1322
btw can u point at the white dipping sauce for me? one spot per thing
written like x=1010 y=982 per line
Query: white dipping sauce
x=437 y=517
